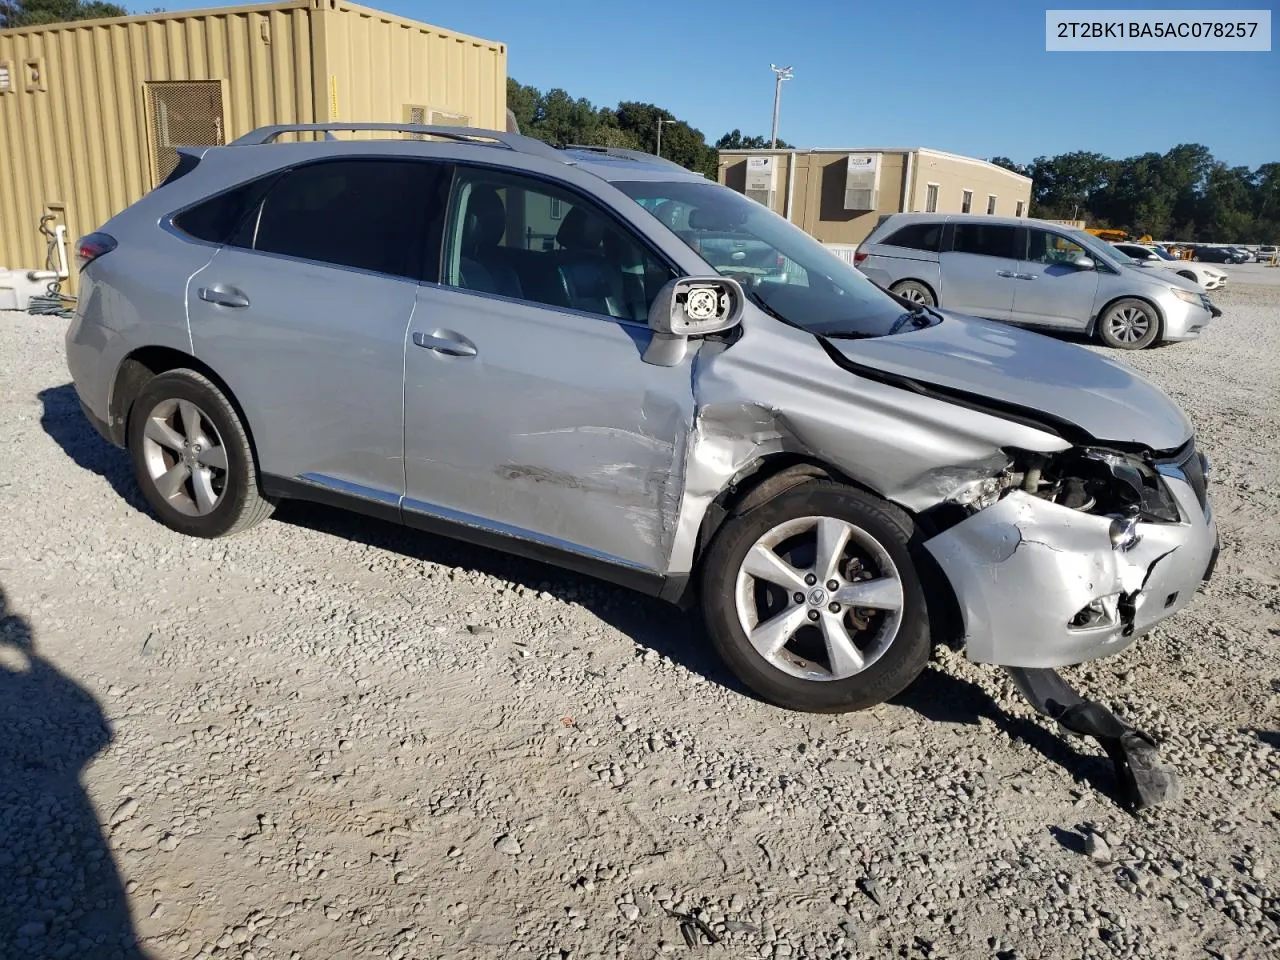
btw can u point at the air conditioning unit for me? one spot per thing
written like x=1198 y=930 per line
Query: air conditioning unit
x=761 y=177
x=862 y=182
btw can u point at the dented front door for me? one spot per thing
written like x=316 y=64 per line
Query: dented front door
x=545 y=424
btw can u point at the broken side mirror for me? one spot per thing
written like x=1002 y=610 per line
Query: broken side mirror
x=691 y=307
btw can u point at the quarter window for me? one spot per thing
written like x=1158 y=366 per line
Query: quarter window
x=529 y=240
x=988 y=240
x=217 y=219
x=367 y=214
x=918 y=236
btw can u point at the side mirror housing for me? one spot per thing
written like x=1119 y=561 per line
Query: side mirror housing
x=691 y=307
x=1084 y=263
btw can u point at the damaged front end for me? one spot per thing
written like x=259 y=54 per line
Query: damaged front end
x=1063 y=558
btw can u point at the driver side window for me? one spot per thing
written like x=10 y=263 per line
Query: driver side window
x=1050 y=248
x=528 y=239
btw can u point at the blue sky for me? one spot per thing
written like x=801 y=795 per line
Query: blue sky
x=973 y=78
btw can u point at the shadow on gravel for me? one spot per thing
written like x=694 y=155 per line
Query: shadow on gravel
x=650 y=622
x=64 y=421
x=940 y=697
x=1270 y=737
x=1069 y=840
x=60 y=894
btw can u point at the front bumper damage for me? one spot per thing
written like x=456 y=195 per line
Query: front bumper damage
x=1024 y=570
x=1041 y=585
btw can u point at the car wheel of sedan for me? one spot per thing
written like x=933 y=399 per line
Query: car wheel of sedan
x=1129 y=324
x=915 y=291
x=192 y=458
x=814 y=601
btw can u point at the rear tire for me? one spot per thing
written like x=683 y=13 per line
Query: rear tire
x=915 y=291
x=826 y=652
x=192 y=458
x=1129 y=324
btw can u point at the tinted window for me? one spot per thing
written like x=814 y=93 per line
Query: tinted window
x=918 y=236
x=369 y=214
x=989 y=240
x=1046 y=247
x=218 y=218
x=530 y=240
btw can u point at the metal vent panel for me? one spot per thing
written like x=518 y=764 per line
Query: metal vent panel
x=182 y=113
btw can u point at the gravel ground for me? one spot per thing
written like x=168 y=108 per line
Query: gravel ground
x=331 y=738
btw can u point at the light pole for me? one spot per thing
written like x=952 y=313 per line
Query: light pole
x=780 y=74
x=660 y=123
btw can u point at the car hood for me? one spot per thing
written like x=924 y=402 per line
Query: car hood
x=1028 y=375
x=1169 y=279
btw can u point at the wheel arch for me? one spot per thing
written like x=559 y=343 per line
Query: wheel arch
x=1102 y=312
x=774 y=474
x=145 y=364
x=933 y=291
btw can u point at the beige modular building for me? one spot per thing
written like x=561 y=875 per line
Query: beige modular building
x=838 y=195
x=91 y=112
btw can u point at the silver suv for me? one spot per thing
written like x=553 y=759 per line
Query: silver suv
x=479 y=335
x=1031 y=272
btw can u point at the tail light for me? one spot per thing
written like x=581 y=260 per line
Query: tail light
x=859 y=257
x=90 y=248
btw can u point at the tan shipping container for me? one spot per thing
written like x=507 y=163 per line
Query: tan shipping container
x=91 y=112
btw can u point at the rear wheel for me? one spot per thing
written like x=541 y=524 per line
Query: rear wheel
x=192 y=459
x=814 y=601
x=1129 y=324
x=915 y=291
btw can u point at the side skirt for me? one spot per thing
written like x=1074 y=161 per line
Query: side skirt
x=463 y=527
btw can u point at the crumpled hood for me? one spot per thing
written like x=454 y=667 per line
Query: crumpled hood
x=1031 y=371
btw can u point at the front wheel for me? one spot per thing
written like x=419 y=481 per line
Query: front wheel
x=813 y=600
x=1129 y=324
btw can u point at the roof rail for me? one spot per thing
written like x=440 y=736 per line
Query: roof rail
x=512 y=141
x=624 y=154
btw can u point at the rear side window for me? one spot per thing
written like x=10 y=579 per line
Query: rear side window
x=917 y=236
x=368 y=214
x=217 y=219
x=988 y=240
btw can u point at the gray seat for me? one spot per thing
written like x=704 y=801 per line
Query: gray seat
x=586 y=276
x=483 y=227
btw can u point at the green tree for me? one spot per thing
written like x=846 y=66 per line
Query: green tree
x=1009 y=165
x=734 y=140
x=30 y=13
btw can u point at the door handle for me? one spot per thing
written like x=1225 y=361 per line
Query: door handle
x=1027 y=276
x=1006 y=273
x=451 y=345
x=224 y=296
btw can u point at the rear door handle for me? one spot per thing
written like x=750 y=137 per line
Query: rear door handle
x=223 y=296
x=448 y=343
x=1026 y=276
x=1006 y=273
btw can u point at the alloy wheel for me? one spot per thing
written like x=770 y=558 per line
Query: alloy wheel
x=819 y=598
x=185 y=457
x=1128 y=324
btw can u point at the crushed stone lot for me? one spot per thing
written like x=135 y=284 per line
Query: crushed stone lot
x=333 y=738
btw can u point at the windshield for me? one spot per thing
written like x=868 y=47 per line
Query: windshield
x=1162 y=253
x=781 y=267
x=1100 y=248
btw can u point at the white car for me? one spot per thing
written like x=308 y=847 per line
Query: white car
x=1211 y=278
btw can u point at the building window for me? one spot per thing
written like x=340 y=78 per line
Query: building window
x=991 y=203
x=1019 y=208
x=931 y=198
x=966 y=204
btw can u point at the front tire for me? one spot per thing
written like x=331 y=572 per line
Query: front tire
x=814 y=601
x=1129 y=324
x=192 y=459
